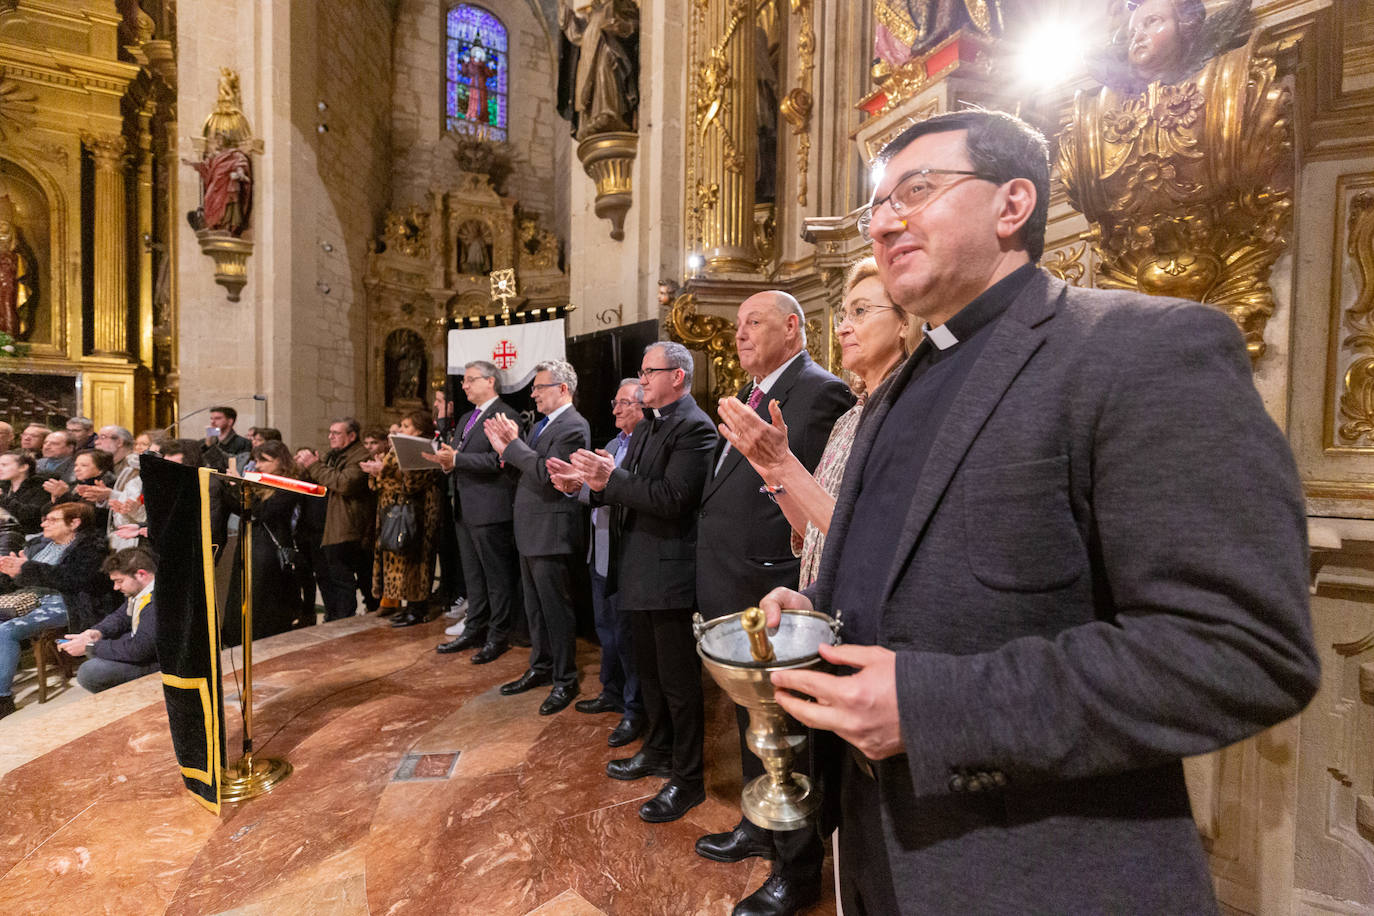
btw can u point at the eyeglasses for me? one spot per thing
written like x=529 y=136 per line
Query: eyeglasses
x=546 y=385
x=648 y=371
x=622 y=402
x=859 y=314
x=911 y=194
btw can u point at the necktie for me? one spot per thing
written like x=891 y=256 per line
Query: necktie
x=538 y=428
x=755 y=399
x=472 y=421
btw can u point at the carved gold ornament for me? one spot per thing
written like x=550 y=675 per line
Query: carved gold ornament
x=796 y=105
x=1357 y=398
x=1187 y=187
x=408 y=233
x=17 y=107
x=1067 y=263
x=711 y=334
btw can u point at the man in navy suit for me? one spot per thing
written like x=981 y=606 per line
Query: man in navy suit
x=1070 y=550
x=745 y=542
x=483 y=507
x=550 y=531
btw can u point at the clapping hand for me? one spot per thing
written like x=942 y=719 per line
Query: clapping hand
x=443 y=457
x=594 y=467
x=563 y=476
x=93 y=492
x=305 y=457
x=373 y=467
x=11 y=564
x=130 y=531
x=764 y=445
x=501 y=431
x=56 y=487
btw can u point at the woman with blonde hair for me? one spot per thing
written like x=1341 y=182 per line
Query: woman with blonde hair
x=875 y=337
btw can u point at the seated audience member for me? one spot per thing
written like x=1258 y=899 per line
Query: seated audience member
x=406 y=577
x=58 y=452
x=93 y=471
x=65 y=564
x=144 y=440
x=81 y=430
x=124 y=498
x=6 y=436
x=21 y=491
x=123 y=646
x=31 y=439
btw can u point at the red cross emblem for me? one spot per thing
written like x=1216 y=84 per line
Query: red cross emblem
x=503 y=355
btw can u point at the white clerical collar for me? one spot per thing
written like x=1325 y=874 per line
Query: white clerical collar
x=942 y=336
x=766 y=383
x=482 y=408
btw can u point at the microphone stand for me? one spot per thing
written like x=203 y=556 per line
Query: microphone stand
x=178 y=421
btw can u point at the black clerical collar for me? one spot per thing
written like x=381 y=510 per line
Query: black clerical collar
x=665 y=411
x=986 y=306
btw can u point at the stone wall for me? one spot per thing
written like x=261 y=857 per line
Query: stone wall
x=537 y=136
x=316 y=200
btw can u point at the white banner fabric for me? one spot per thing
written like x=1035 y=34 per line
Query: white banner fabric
x=515 y=349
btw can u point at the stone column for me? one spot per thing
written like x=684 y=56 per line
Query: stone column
x=722 y=164
x=144 y=346
x=109 y=312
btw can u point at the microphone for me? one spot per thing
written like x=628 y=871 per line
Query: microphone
x=178 y=421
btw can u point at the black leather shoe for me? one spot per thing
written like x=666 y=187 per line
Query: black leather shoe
x=639 y=766
x=780 y=896
x=464 y=640
x=527 y=681
x=733 y=846
x=558 y=700
x=671 y=802
x=489 y=653
x=409 y=617
x=597 y=705
x=630 y=728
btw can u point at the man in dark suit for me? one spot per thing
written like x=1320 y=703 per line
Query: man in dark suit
x=655 y=492
x=746 y=542
x=620 y=690
x=549 y=530
x=483 y=501
x=1052 y=588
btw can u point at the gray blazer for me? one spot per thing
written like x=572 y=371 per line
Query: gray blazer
x=1101 y=569
x=547 y=523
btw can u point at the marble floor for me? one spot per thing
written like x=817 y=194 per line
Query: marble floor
x=379 y=815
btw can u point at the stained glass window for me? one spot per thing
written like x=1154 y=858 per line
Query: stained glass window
x=477 y=68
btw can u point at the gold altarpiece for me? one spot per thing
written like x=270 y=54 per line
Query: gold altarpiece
x=431 y=264
x=87 y=141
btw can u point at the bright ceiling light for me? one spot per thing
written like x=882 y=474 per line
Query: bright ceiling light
x=1052 y=54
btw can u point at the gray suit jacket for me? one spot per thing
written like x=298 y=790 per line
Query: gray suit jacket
x=1101 y=569
x=547 y=523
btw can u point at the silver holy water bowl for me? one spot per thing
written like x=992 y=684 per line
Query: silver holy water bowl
x=736 y=651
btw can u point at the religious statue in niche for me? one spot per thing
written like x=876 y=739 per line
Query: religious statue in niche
x=406 y=367
x=1183 y=161
x=598 y=84
x=18 y=283
x=474 y=248
x=485 y=157
x=478 y=69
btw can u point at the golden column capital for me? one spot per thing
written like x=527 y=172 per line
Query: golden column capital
x=108 y=150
